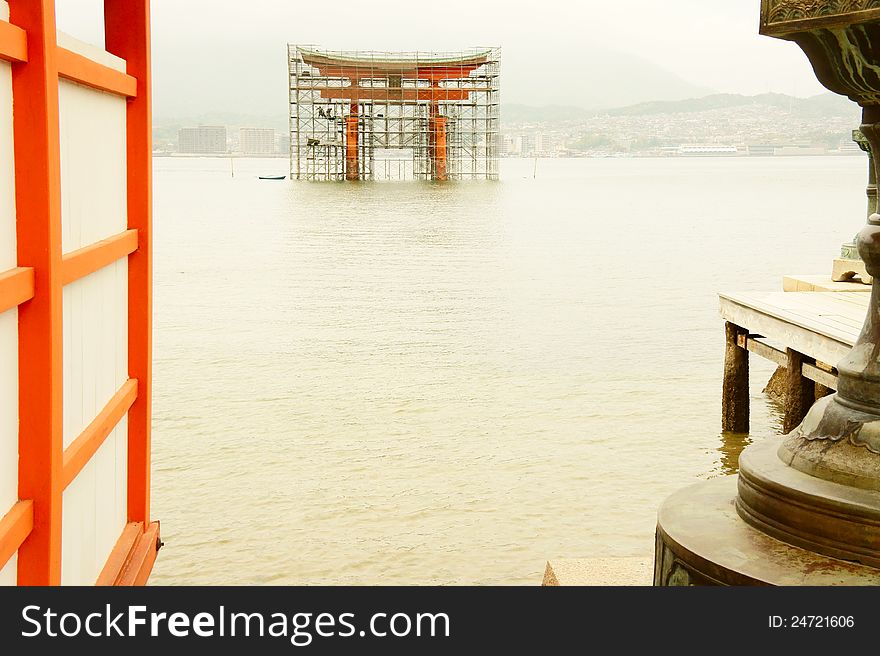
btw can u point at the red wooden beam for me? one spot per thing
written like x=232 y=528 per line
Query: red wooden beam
x=133 y=556
x=16 y=287
x=81 y=451
x=127 y=35
x=377 y=70
x=355 y=94
x=13 y=42
x=38 y=231
x=74 y=66
x=86 y=261
x=15 y=527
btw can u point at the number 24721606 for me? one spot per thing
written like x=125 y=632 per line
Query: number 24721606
x=812 y=622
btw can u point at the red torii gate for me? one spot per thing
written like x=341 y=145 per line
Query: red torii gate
x=396 y=72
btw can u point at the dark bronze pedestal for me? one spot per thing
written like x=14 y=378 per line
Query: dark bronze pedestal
x=805 y=509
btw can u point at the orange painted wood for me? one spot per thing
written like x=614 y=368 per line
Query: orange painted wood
x=120 y=555
x=438 y=144
x=78 y=68
x=351 y=145
x=88 y=260
x=15 y=527
x=38 y=231
x=133 y=557
x=84 y=447
x=16 y=287
x=395 y=95
x=127 y=35
x=13 y=43
x=137 y=570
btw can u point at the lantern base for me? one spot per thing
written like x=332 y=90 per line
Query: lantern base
x=702 y=540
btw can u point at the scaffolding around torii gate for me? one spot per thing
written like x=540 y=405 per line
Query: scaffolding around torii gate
x=394 y=115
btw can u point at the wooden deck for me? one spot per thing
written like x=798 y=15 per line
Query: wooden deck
x=804 y=332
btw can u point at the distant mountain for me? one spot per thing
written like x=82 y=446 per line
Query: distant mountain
x=826 y=104
x=585 y=75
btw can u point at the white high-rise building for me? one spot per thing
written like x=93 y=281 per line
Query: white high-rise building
x=257 y=141
x=526 y=145
x=203 y=140
x=544 y=144
x=508 y=146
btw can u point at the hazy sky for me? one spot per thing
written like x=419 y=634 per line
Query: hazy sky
x=229 y=55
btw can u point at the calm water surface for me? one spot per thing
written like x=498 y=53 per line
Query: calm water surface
x=414 y=383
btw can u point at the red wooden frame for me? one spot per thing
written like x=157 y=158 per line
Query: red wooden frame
x=86 y=261
x=16 y=287
x=73 y=66
x=80 y=452
x=13 y=42
x=32 y=528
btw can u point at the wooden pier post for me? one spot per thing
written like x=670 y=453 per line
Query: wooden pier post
x=735 y=399
x=800 y=392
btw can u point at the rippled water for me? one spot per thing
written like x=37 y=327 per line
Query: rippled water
x=414 y=383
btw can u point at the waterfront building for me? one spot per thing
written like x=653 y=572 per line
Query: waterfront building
x=257 y=141
x=707 y=151
x=508 y=146
x=544 y=144
x=203 y=140
x=440 y=111
x=762 y=150
x=526 y=145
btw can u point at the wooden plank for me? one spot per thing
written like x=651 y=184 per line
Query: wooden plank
x=137 y=568
x=120 y=555
x=78 y=454
x=811 y=321
x=767 y=352
x=85 y=261
x=13 y=42
x=814 y=302
x=811 y=371
x=38 y=208
x=15 y=527
x=811 y=318
x=847 y=315
x=78 y=68
x=824 y=307
x=16 y=287
x=817 y=346
x=820 y=376
x=812 y=310
x=127 y=35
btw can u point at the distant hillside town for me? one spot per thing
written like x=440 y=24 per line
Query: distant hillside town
x=721 y=125
x=714 y=126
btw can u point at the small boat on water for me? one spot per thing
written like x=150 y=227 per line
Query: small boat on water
x=273 y=177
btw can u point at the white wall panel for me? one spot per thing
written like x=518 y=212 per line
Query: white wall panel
x=8 y=425
x=93 y=196
x=95 y=345
x=7 y=164
x=95 y=367
x=9 y=574
x=93 y=158
x=95 y=511
x=9 y=319
x=8 y=410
